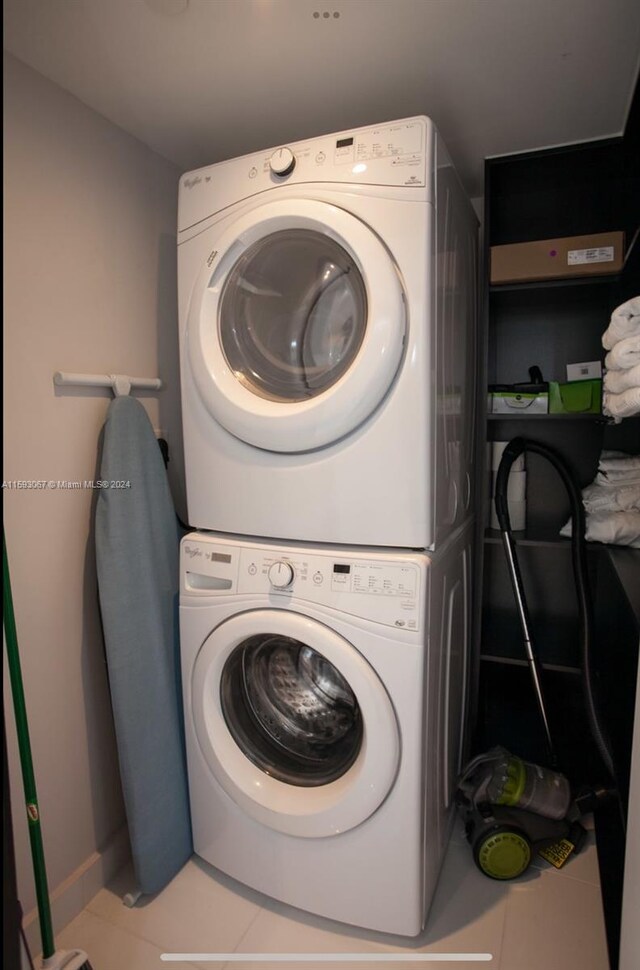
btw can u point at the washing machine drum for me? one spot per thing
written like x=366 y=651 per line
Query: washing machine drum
x=293 y=723
x=290 y=711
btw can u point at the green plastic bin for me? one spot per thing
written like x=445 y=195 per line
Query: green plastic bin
x=575 y=397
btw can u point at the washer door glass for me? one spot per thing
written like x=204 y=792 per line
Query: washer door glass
x=295 y=326
x=290 y=711
x=293 y=314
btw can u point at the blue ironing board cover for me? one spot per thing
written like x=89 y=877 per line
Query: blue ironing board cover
x=137 y=554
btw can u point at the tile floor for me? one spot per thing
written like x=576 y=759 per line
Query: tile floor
x=547 y=920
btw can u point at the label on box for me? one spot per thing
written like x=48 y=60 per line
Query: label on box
x=583 y=372
x=599 y=254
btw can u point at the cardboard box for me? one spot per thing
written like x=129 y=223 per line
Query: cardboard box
x=575 y=397
x=511 y=402
x=549 y=259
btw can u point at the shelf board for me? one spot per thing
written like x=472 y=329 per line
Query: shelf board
x=513 y=662
x=554 y=284
x=536 y=537
x=598 y=418
x=525 y=537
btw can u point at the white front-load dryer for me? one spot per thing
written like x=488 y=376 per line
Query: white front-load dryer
x=323 y=719
x=327 y=321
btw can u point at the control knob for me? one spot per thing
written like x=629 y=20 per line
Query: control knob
x=282 y=162
x=280 y=574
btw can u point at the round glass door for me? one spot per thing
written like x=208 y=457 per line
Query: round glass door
x=290 y=711
x=293 y=314
x=293 y=723
x=296 y=325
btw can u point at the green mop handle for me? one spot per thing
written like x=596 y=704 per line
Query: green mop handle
x=28 y=778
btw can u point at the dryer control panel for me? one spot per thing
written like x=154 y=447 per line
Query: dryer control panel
x=397 y=154
x=378 y=587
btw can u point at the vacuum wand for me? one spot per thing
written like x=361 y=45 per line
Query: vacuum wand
x=513 y=451
x=535 y=667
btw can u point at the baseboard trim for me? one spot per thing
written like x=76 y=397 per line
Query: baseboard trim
x=73 y=894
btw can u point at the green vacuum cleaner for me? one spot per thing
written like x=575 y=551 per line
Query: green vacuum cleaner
x=513 y=809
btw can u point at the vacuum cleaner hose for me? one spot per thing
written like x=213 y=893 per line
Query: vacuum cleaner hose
x=513 y=450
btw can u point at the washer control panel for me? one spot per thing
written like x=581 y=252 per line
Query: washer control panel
x=379 y=587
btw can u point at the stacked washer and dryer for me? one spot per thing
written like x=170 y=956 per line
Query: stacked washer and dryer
x=327 y=335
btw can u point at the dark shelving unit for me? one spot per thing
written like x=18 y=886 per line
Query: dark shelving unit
x=576 y=190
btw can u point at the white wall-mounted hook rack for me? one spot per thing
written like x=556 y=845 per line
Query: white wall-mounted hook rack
x=121 y=384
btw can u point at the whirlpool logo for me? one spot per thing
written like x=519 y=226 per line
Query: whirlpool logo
x=192 y=551
x=190 y=183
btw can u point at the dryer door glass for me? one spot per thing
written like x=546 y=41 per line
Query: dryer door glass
x=290 y=711
x=292 y=315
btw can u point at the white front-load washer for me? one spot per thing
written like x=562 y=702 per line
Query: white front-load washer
x=324 y=697
x=327 y=304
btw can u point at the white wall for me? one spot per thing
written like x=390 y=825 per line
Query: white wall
x=89 y=287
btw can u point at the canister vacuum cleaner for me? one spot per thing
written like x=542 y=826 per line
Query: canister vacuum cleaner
x=512 y=809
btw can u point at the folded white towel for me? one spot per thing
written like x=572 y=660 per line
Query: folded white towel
x=611 y=498
x=619 y=462
x=623 y=405
x=617 y=381
x=608 y=455
x=629 y=309
x=612 y=501
x=618 y=329
x=625 y=321
x=622 y=478
x=616 y=468
x=613 y=528
x=625 y=353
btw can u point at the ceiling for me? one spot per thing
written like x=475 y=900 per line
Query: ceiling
x=204 y=80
